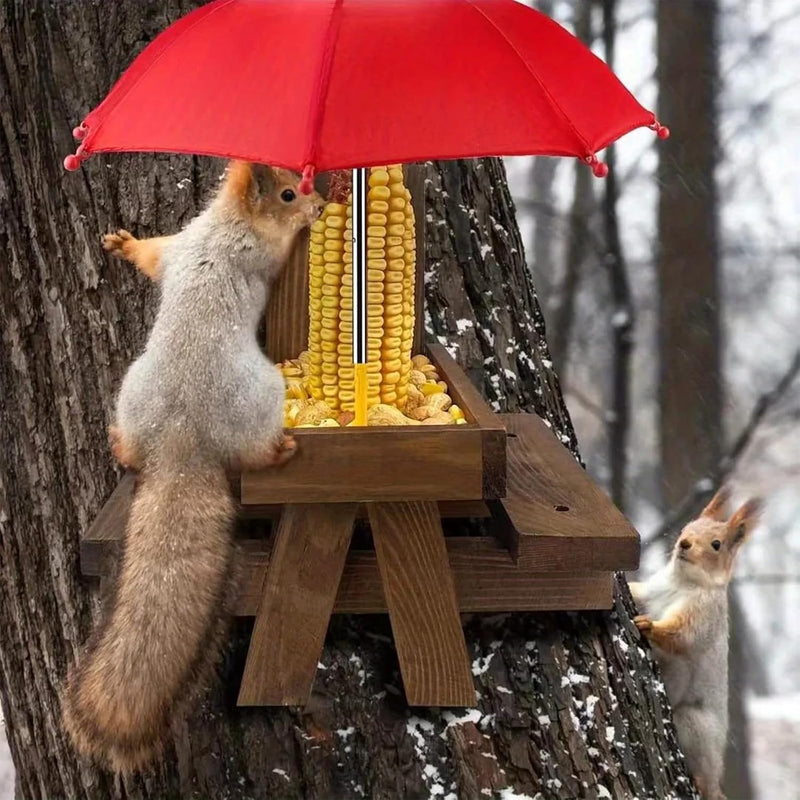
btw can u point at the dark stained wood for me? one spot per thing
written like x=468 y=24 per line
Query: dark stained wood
x=486 y=579
x=370 y=464
x=415 y=181
x=420 y=595
x=554 y=516
x=448 y=509
x=300 y=587
x=287 y=307
x=476 y=410
x=105 y=535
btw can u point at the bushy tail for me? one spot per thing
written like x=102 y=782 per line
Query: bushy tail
x=163 y=620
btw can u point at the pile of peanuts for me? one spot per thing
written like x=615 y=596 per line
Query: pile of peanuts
x=427 y=401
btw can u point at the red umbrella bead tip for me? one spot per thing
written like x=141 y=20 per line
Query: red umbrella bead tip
x=73 y=162
x=599 y=168
x=307 y=181
x=80 y=132
x=662 y=131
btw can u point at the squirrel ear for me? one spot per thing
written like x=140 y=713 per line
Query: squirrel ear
x=322 y=183
x=245 y=181
x=742 y=522
x=265 y=181
x=716 y=506
x=238 y=176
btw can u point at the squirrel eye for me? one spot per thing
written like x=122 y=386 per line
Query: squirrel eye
x=716 y=544
x=287 y=195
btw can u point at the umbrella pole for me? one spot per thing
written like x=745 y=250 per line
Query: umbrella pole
x=359 y=232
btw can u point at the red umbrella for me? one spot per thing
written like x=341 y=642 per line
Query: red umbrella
x=314 y=85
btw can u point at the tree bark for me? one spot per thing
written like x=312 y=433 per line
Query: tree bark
x=568 y=706
x=579 y=233
x=622 y=312
x=690 y=390
x=690 y=383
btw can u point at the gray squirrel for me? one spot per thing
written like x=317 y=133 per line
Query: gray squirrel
x=201 y=401
x=686 y=620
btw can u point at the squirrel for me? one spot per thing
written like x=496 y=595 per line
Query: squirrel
x=201 y=401
x=686 y=619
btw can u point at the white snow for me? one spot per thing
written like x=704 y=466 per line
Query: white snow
x=481 y=665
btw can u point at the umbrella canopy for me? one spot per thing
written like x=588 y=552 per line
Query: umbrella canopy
x=314 y=85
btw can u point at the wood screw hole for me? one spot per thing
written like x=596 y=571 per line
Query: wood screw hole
x=561 y=508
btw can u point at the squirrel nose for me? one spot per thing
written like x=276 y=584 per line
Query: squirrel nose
x=685 y=544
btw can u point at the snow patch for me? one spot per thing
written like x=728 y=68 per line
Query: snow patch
x=472 y=715
x=481 y=665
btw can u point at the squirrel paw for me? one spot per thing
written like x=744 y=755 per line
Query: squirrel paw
x=643 y=623
x=123 y=450
x=274 y=454
x=116 y=243
x=284 y=450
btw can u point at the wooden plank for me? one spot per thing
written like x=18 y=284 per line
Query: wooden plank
x=486 y=578
x=420 y=595
x=287 y=307
x=486 y=581
x=476 y=410
x=105 y=535
x=299 y=590
x=448 y=509
x=372 y=464
x=415 y=181
x=554 y=516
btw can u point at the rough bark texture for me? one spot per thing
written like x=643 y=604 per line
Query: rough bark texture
x=688 y=253
x=568 y=705
x=690 y=383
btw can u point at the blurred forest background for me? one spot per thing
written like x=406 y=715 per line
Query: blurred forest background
x=671 y=291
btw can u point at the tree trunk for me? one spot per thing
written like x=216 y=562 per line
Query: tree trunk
x=688 y=256
x=567 y=704
x=562 y=315
x=622 y=312
x=690 y=383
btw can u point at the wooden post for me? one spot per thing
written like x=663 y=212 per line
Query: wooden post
x=287 y=307
x=300 y=588
x=421 y=598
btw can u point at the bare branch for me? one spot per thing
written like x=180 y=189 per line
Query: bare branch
x=702 y=491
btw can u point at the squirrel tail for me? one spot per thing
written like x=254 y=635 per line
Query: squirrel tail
x=163 y=627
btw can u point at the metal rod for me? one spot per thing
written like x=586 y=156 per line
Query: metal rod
x=359 y=232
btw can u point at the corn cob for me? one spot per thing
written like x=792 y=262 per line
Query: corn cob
x=390 y=294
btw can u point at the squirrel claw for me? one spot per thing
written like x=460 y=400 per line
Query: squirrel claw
x=643 y=623
x=286 y=448
x=274 y=454
x=114 y=243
